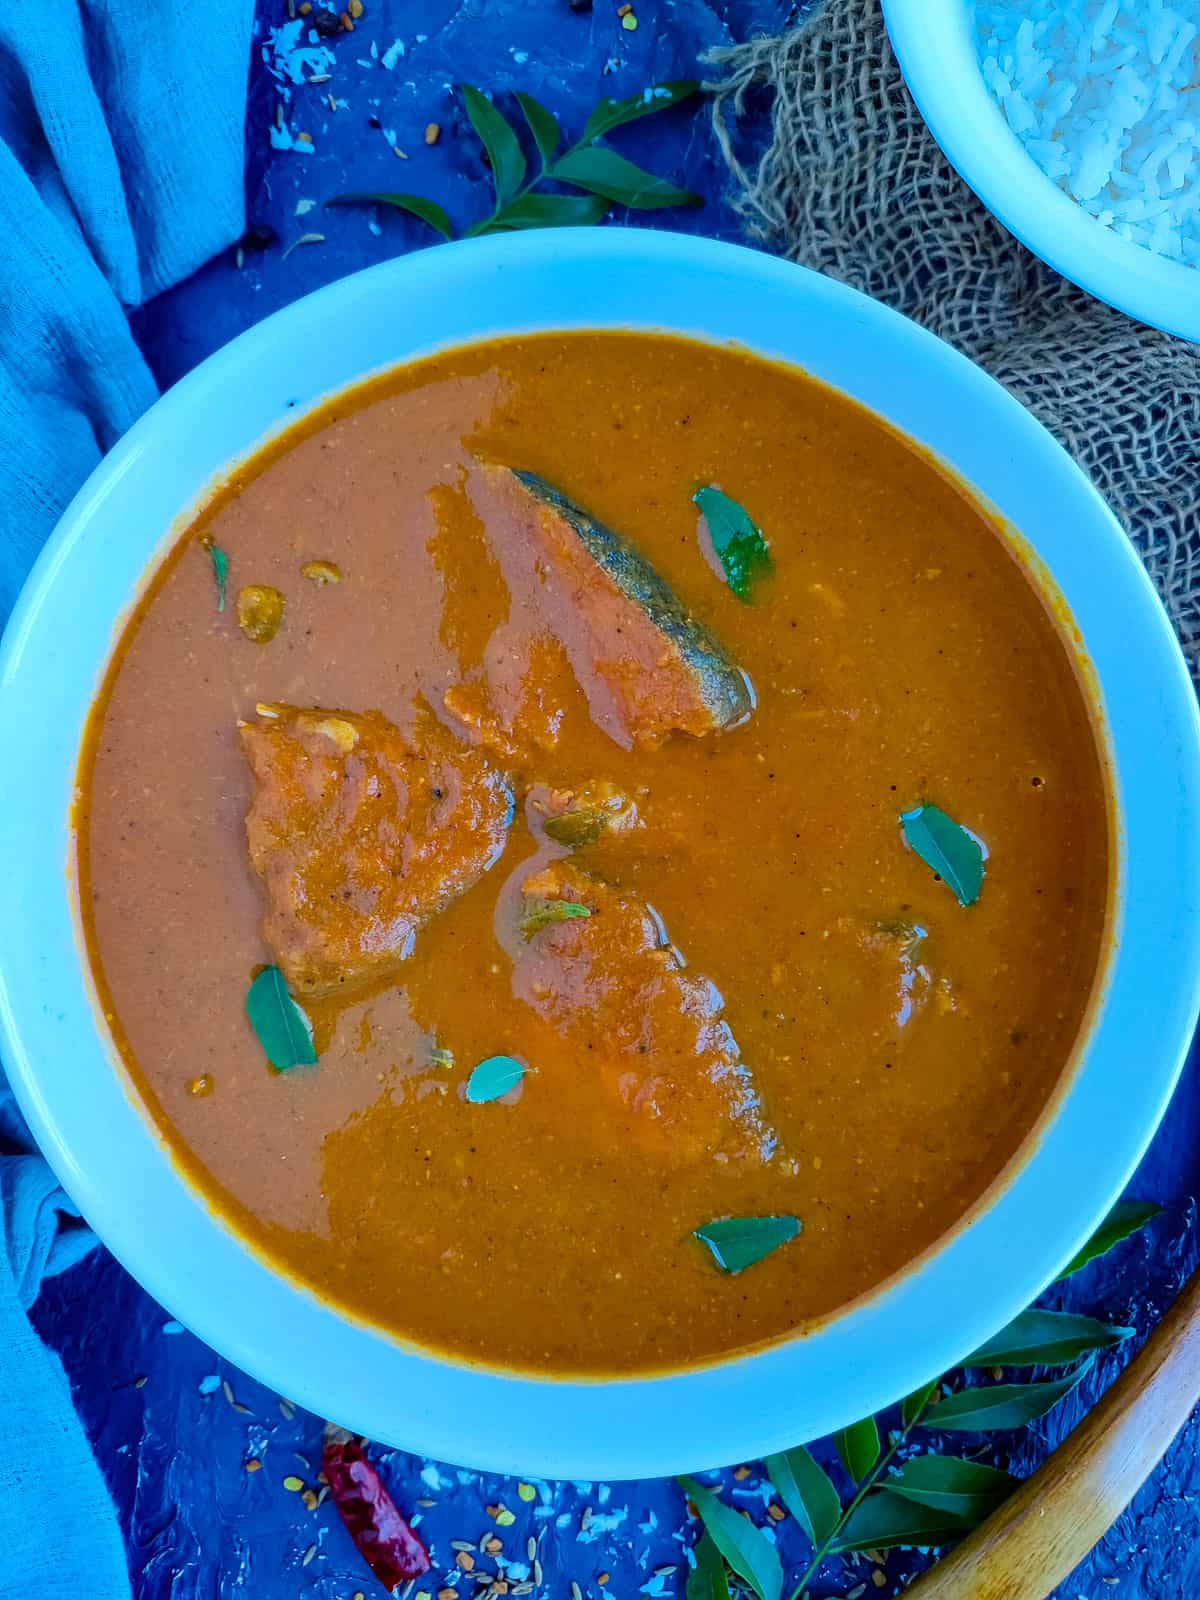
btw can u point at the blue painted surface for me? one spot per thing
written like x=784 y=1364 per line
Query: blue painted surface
x=172 y=1443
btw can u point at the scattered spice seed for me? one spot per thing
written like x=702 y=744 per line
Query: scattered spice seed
x=432 y=132
x=293 y=1484
x=776 y=1513
x=304 y=138
x=305 y=238
x=321 y=572
x=522 y=1588
x=629 y=22
x=326 y=23
x=447 y=1593
x=741 y=1473
x=287 y=1410
x=260 y=610
x=499 y=1587
x=465 y=1560
x=355 y=8
x=242 y=1411
x=857 y=1592
x=321 y=77
x=603 y=1578
x=253 y=1464
x=308 y=1555
x=576 y=1591
x=537 y=1571
x=461 y=1544
x=396 y=151
x=530 y=1548
x=874 y=1555
x=585 y=1519
x=304 y=7
x=879 y=1578
x=310 y=1499
x=345 y=22
x=425 y=1504
x=227 y=1390
x=526 y=1492
x=201 y=1086
x=505 y=1519
x=623 y=11
x=493 y=1546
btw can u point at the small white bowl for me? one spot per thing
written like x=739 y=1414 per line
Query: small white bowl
x=69 y=1078
x=935 y=44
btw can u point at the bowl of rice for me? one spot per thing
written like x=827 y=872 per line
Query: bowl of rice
x=1077 y=123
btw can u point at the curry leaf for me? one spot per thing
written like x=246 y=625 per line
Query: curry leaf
x=736 y=539
x=966 y=1489
x=283 y=1030
x=708 y=1579
x=542 y=126
x=1046 y=1339
x=545 y=211
x=806 y=1491
x=751 y=1555
x=492 y=1078
x=858 y=1446
x=416 y=204
x=738 y=1242
x=1000 y=1405
x=950 y=850
x=885 y=1520
x=1125 y=1218
x=605 y=172
x=913 y=1404
x=611 y=114
x=541 y=914
x=220 y=566
x=501 y=143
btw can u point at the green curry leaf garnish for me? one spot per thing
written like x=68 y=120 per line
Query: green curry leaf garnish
x=220 y=566
x=746 y=1549
x=607 y=178
x=738 y=1242
x=283 y=1030
x=492 y=1078
x=736 y=539
x=953 y=853
x=541 y=914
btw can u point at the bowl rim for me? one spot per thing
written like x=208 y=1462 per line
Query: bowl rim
x=112 y=1162
x=934 y=44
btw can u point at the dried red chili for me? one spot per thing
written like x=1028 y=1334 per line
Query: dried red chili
x=384 y=1539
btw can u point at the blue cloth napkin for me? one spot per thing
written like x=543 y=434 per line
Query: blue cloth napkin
x=121 y=161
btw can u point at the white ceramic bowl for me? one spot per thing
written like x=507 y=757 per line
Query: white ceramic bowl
x=934 y=41
x=73 y=1088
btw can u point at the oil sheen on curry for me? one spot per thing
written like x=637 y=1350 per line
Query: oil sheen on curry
x=648 y=814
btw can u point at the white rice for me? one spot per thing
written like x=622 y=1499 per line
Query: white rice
x=1105 y=96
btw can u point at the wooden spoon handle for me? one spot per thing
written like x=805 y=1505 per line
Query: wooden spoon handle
x=1027 y=1547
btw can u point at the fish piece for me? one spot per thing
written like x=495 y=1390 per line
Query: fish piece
x=647 y=667
x=360 y=835
x=655 y=1032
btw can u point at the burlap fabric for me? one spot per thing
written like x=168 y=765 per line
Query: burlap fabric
x=854 y=185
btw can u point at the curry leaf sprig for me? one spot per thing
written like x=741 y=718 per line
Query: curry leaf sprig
x=605 y=177
x=925 y=1500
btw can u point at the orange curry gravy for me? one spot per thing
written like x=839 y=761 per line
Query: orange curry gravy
x=899 y=653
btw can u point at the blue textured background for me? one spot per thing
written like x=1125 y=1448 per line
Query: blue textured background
x=173 y=1423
